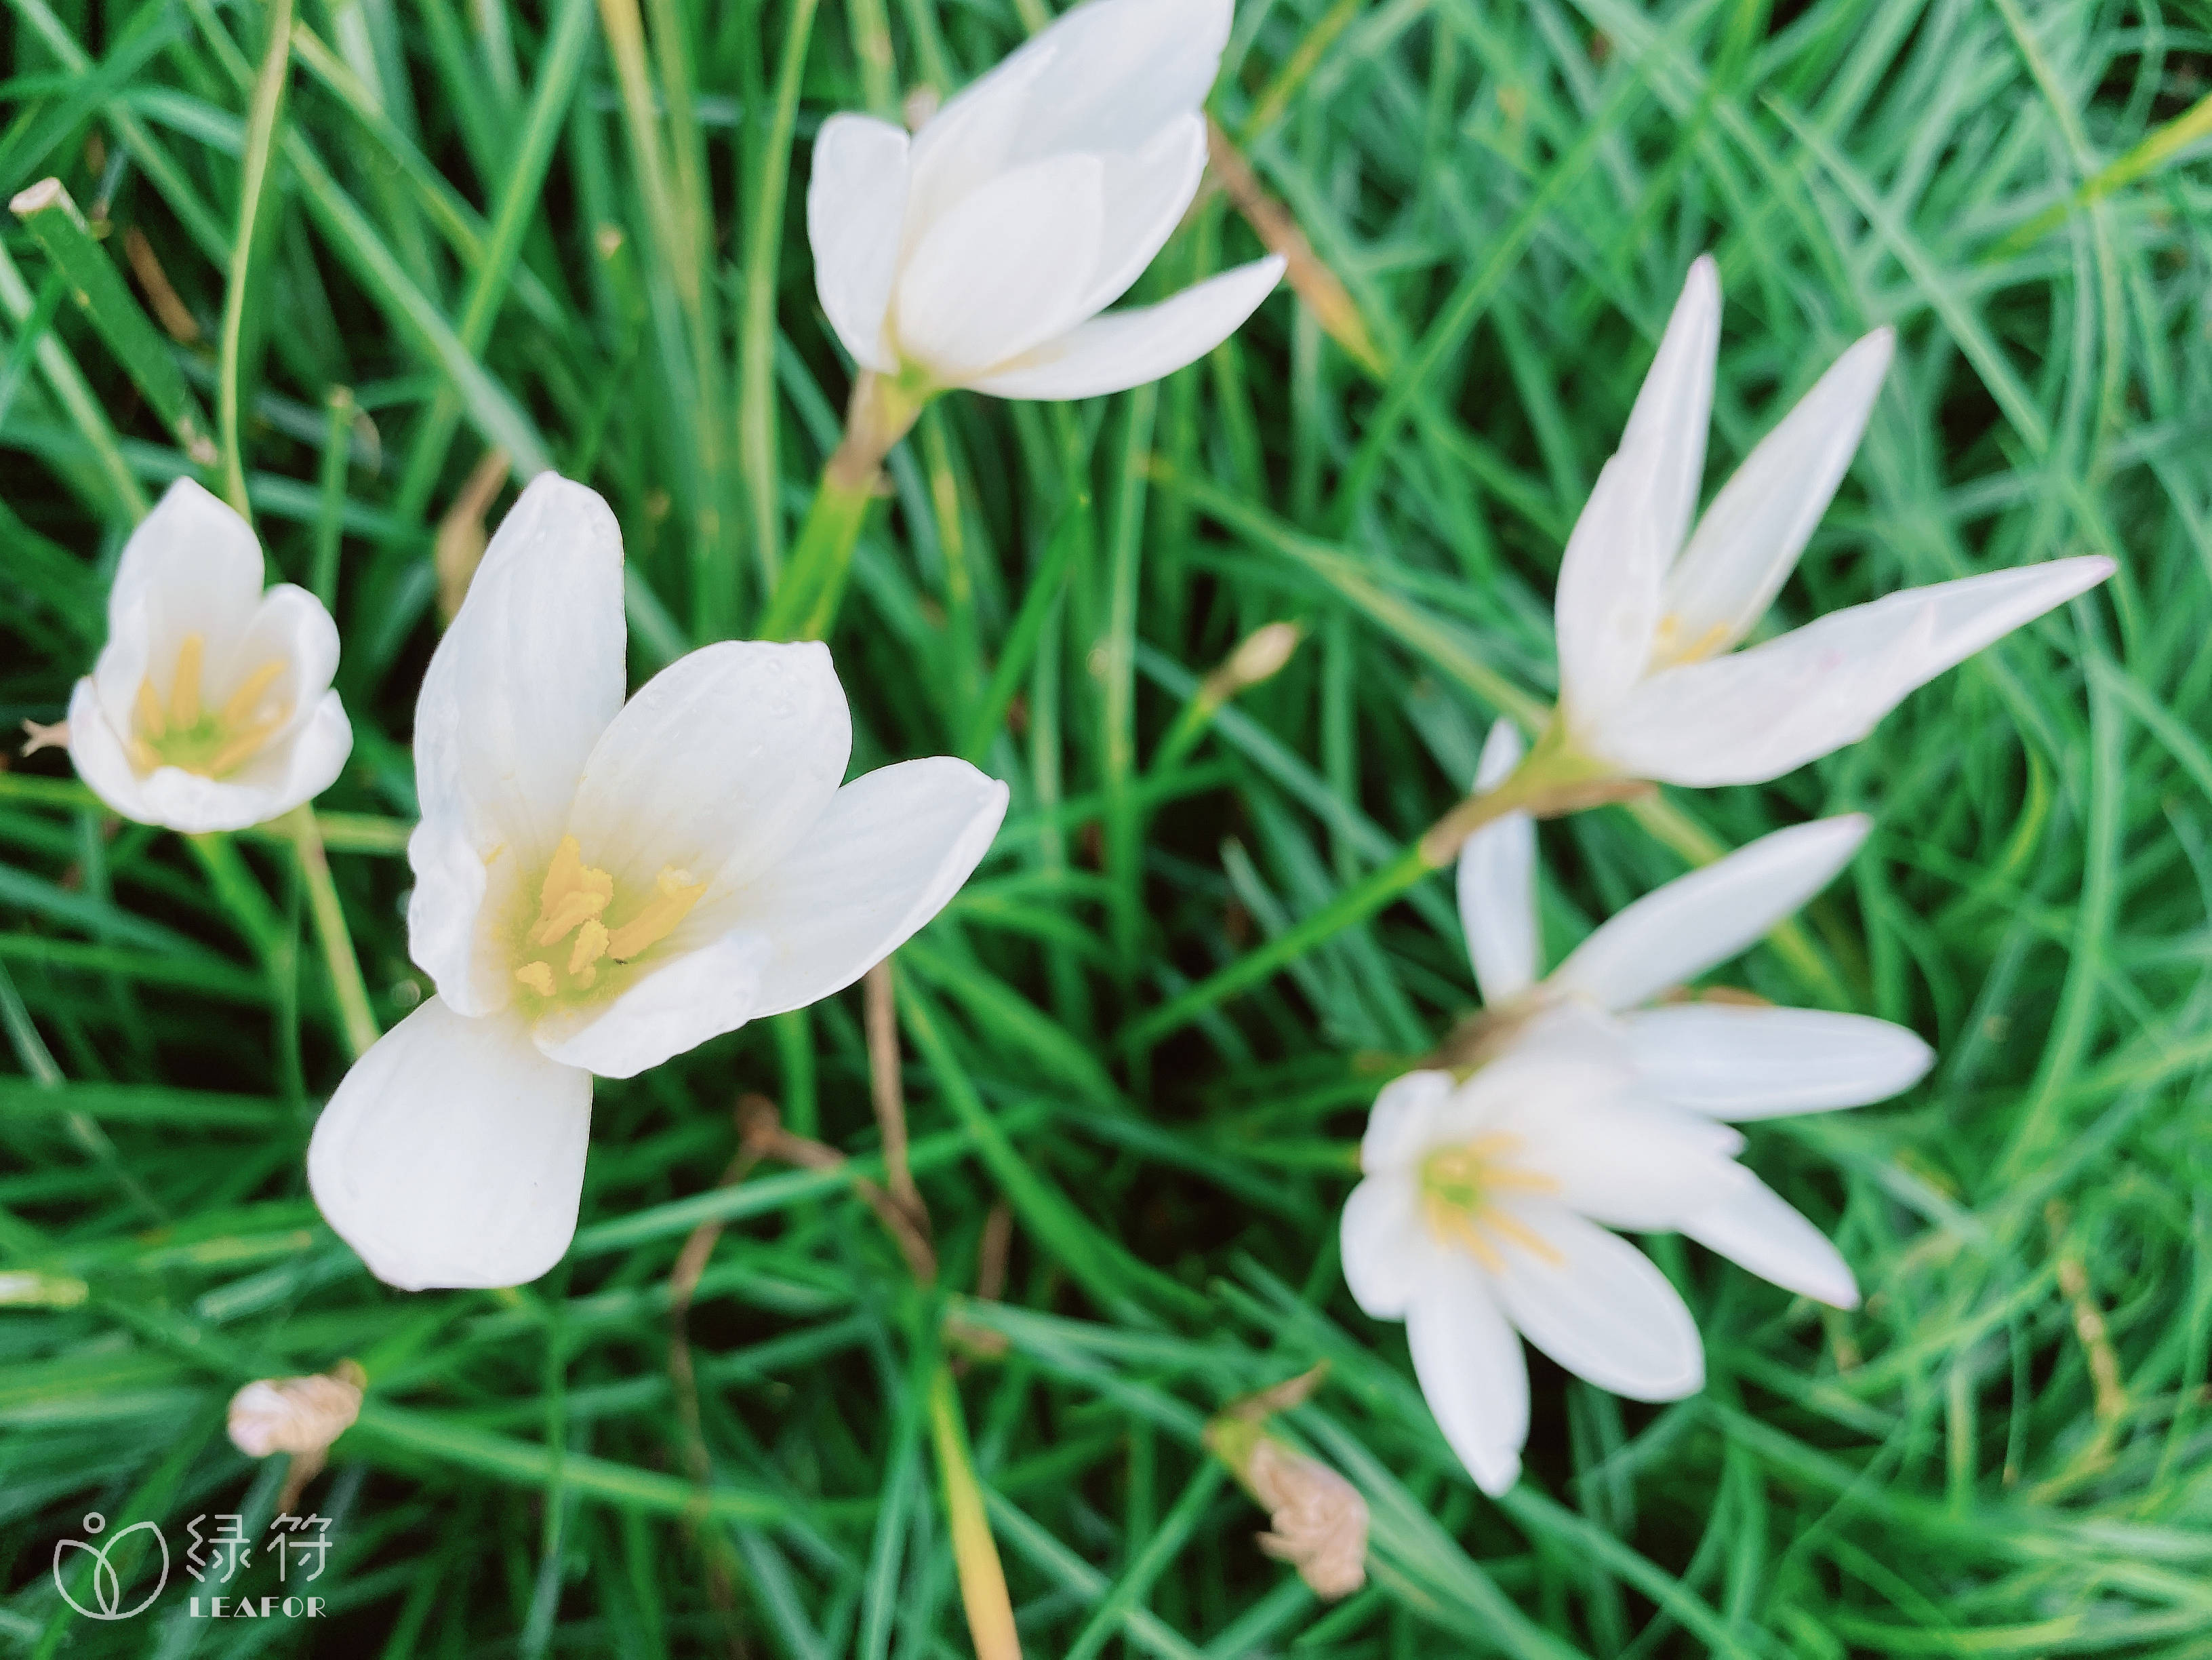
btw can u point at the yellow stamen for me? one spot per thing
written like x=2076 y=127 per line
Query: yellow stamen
x=677 y=894
x=538 y=976
x=590 y=946
x=239 y=749
x=246 y=699
x=573 y=893
x=184 y=693
x=153 y=719
x=144 y=755
x=1523 y=1236
x=1459 y=1189
x=1667 y=653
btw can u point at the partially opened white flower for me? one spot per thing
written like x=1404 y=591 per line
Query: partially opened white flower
x=210 y=706
x=1487 y=1200
x=979 y=253
x=1651 y=683
x=600 y=885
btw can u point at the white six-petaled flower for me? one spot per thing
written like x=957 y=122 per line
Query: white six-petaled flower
x=979 y=253
x=602 y=885
x=210 y=706
x=1651 y=683
x=1487 y=1200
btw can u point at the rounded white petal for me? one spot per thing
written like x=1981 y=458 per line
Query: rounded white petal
x=1628 y=1162
x=96 y=750
x=1699 y=921
x=892 y=849
x=1471 y=1371
x=1497 y=883
x=1401 y=1124
x=517 y=693
x=1750 y=539
x=719 y=766
x=1387 y=1252
x=453 y=1153
x=1744 y=1063
x=1002 y=269
x=855 y=218
x=289 y=626
x=1754 y=1228
x=1146 y=194
x=1595 y=1305
x=1616 y=558
x=673 y=1005
x=1755 y=714
x=195 y=567
x=1129 y=348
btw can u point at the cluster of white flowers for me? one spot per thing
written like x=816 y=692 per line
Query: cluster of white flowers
x=603 y=883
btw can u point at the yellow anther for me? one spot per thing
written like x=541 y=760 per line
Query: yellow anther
x=573 y=893
x=1523 y=1236
x=590 y=946
x=184 y=693
x=538 y=976
x=243 y=703
x=676 y=893
x=1459 y=1188
x=1668 y=651
x=238 y=749
x=153 y=719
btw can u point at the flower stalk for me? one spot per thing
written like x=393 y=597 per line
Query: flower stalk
x=975 y=1554
x=356 y=1018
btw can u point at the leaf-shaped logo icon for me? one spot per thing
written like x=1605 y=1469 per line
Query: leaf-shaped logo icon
x=106 y=1583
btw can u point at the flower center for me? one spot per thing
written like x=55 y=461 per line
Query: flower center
x=182 y=733
x=575 y=906
x=1669 y=650
x=1459 y=1189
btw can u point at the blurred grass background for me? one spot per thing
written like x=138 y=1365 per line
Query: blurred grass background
x=574 y=235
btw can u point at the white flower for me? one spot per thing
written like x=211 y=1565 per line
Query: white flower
x=1650 y=683
x=1486 y=1202
x=210 y=706
x=600 y=885
x=979 y=253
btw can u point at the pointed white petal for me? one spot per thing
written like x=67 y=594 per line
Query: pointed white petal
x=1748 y=542
x=453 y=1153
x=97 y=753
x=288 y=626
x=889 y=853
x=1757 y=713
x=1002 y=269
x=1471 y=1370
x=1699 y=921
x=1616 y=559
x=1620 y=1160
x=1595 y=1303
x=195 y=567
x=855 y=220
x=676 y=1004
x=1146 y=192
x=518 y=691
x=1744 y=1063
x=719 y=766
x=1497 y=883
x=1756 y=1229
x=1141 y=344
x=1402 y=1125
x=1388 y=1254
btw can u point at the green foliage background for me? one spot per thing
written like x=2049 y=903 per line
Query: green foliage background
x=493 y=234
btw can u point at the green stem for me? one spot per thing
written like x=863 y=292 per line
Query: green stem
x=804 y=604
x=975 y=1554
x=329 y=506
x=241 y=895
x=354 y=1014
x=260 y=140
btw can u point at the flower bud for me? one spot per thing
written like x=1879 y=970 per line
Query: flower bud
x=1319 y=1519
x=295 y=1415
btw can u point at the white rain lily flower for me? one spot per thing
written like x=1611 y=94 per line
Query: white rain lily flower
x=602 y=885
x=1487 y=1200
x=210 y=706
x=979 y=253
x=1651 y=684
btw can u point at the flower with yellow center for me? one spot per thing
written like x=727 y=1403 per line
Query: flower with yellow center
x=210 y=706
x=1650 y=610
x=600 y=884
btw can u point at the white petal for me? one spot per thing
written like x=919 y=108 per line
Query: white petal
x=1756 y=1229
x=675 y=1005
x=195 y=567
x=1616 y=559
x=719 y=766
x=1471 y=1370
x=1401 y=1124
x=1748 y=542
x=453 y=1153
x=1699 y=921
x=855 y=216
x=1388 y=1254
x=1628 y=1163
x=1757 y=713
x=892 y=849
x=1140 y=344
x=289 y=626
x=1595 y=1303
x=1497 y=883
x=1146 y=193
x=1004 y=270
x=518 y=691
x=96 y=751
x=1743 y=1063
